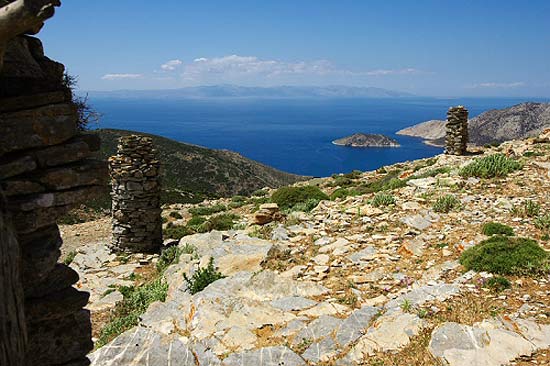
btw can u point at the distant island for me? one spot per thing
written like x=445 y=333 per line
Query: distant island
x=366 y=140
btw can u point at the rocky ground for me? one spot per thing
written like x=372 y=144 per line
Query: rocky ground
x=345 y=284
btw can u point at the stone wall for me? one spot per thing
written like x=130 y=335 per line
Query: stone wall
x=47 y=167
x=137 y=224
x=456 y=139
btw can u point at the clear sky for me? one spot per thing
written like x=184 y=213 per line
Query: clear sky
x=435 y=48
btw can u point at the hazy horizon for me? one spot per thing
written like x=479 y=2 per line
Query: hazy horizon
x=427 y=48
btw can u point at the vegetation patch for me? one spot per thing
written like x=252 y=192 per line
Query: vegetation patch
x=542 y=222
x=495 y=228
x=69 y=258
x=343 y=193
x=135 y=303
x=175 y=215
x=207 y=210
x=446 y=204
x=506 y=256
x=202 y=277
x=289 y=197
x=492 y=166
x=432 y=173
x=167 y=257
x=383 y=199
x=498 y=283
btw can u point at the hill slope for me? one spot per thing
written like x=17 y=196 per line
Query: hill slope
x=496 y=125
x=197 y=172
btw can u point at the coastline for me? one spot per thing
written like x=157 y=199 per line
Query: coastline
x=360 y=146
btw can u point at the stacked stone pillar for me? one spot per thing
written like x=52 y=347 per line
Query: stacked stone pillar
x=47 y=167
x=137 y=223
x=456 y=139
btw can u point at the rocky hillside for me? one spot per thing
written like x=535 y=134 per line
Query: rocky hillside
x=497 y=125
x=192 y=173
x=366 y=140
x=436 y=261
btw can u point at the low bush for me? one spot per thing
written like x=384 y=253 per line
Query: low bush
x=218 y=222
x=207 y=210
x=542 y=222
x=288 y=197
x=202 y=277
x=495 y=228
x=492 y=166
x=175 y=215
x=382 y=199
x=167 y=257
x=446 y=204
x=135 y=302
x=498 y=283
x=69 y=257
x=259 y=193
x=505 y=255
x=343 y=193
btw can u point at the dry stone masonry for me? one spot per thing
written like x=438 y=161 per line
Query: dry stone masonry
x=456 y=138
x=137 y=223
x=47 y=167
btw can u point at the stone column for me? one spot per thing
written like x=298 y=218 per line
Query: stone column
x=456 y=139
x=137 y=224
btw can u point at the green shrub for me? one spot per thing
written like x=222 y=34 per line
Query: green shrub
x=167 y=257
x=177 y=231
x=176 y=215
x=382 y=199
x=497 y=165
x=69 y=257
x=498 y=283
x=505 y=256
x=394 y=183
x=543 y=222
x=288 y=197
x=495 y=228
x=343 y=193
x=202 y=277
x=341 y=181
x=259 y=193
x=531 y=208
x=207 y=210
x=127 y=312
x=219 y=222
x=307 y=206
x=446 y=204
x=196 y=221
x=432 y=173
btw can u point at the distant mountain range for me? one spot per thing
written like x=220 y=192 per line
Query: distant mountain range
x=496 y=125
x=234 y=91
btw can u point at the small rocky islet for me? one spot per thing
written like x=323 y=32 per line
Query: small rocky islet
x=366 y=140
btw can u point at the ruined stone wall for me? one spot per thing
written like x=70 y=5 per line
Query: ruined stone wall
x=456 y=139
x=46 y=168
x=137 y=224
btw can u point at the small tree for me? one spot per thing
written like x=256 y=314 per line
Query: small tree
x=86 y=114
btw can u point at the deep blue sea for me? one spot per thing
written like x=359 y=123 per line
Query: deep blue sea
x=293 y=135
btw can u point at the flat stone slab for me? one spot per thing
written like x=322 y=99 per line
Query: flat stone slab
x=293 y=303
x=489 y=343
x=267 y=356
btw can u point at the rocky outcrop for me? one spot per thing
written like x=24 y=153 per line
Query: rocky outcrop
x=47 y=167
x=137 y=225
x=497 y=125
x=366 y=140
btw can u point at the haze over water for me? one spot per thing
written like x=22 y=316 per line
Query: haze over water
x=293 y=135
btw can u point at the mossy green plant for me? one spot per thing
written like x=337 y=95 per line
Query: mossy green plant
x=505 y=255
x=495 y=228
x=446 y=204
x=492 y=166
x=203 y=277
x=289 y=197
x=382 y=199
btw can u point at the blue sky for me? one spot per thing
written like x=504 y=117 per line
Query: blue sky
x=435 y=48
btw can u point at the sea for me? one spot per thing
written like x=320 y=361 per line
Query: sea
x=293 y=135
